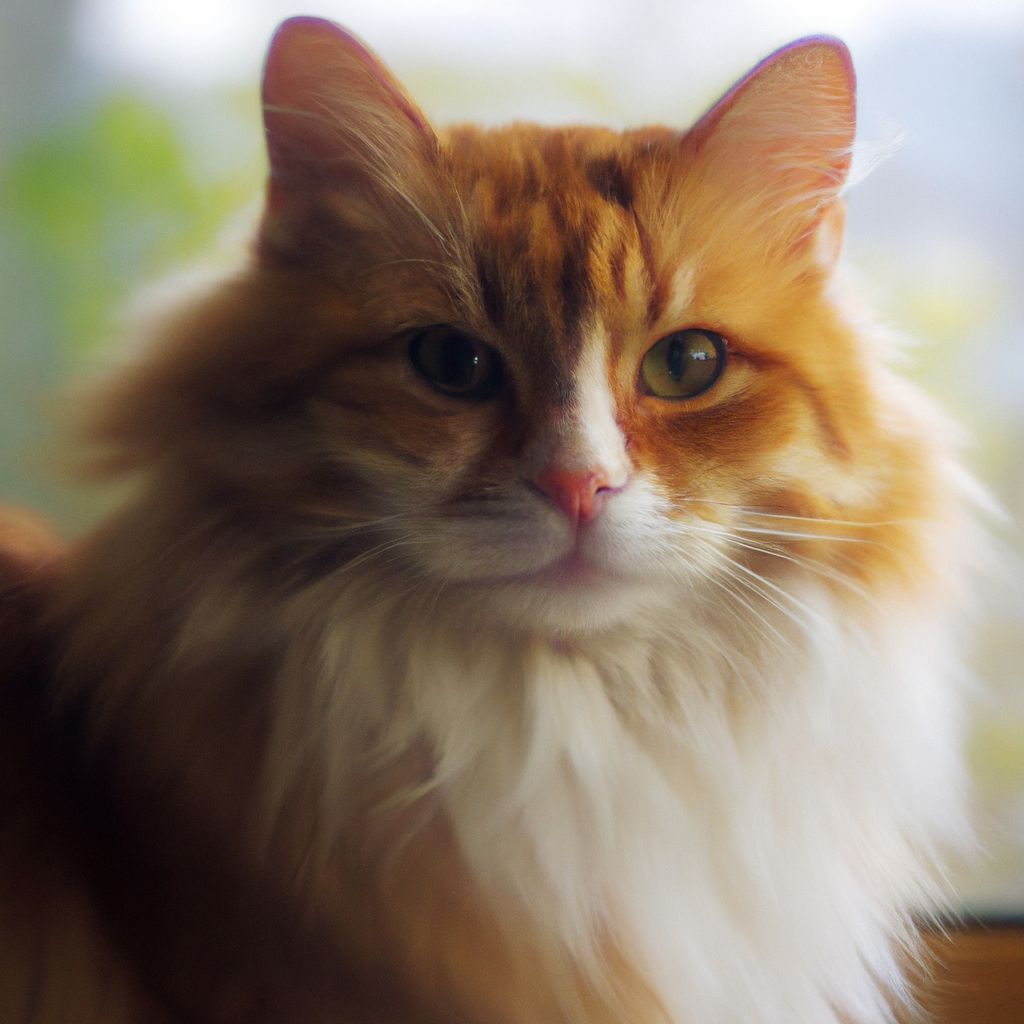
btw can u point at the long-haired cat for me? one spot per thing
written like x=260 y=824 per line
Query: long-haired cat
x=534 y=603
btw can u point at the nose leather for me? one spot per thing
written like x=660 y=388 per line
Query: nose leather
x=579 y=494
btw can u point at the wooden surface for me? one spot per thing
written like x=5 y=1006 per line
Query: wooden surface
x=977 y=976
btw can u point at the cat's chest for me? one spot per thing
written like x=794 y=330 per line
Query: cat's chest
x=664 y=796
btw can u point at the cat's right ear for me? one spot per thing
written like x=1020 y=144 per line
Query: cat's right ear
x=344 y=141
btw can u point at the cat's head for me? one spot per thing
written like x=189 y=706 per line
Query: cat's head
x=554 y=376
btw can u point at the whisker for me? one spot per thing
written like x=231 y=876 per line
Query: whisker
x=795 y=535
x=856 y=523
x=385 y=547
x=765 y=514
x=347 y=527
x=764 y=625
x=721 y=583
x=725 y=530
x=743 y=575
x=761 y=581
x=812 y=565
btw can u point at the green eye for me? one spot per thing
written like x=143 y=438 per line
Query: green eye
x=455 y=363
x=683 y=364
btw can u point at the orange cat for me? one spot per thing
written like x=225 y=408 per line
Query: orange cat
x=534 y=604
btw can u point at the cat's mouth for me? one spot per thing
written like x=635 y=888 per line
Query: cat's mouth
x=586 y=584
x=571 y=570
x=575 y=591
x=574 y=570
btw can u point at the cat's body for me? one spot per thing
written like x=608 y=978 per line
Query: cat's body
x=522 y=669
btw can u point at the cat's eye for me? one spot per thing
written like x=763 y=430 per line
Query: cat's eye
x=455 y=363
x=683 y=364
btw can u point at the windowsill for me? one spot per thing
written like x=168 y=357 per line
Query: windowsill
x=978 y=973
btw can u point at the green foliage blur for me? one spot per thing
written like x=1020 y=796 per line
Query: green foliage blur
x=113 y=195
x=124 y=188
x=105 y=200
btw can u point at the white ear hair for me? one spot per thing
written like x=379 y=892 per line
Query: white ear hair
x=870 y=153
x=778 y=145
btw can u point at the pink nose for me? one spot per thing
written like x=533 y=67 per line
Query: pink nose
x=580 y=495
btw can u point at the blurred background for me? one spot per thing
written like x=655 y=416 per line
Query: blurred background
x=130 y=147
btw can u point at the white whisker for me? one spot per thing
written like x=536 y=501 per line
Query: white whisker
x=795 y=535
x=763 y=581
x=720 y=582
x=816 y=566
x=744 y=510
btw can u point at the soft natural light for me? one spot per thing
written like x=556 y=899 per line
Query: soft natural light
x=130 y=134
x=190 y=42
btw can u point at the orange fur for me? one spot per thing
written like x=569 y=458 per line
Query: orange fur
x=276 y=811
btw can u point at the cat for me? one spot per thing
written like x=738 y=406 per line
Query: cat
x=535 y=601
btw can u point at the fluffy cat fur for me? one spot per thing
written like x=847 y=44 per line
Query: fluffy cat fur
x=563 y=702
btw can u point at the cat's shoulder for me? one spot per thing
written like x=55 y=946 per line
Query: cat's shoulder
x=56 y=960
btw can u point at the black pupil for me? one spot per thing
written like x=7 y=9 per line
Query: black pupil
x=686 y=349
x=675 y=359
x=457 y=362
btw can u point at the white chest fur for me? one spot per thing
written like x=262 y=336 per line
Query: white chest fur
x=753 y=813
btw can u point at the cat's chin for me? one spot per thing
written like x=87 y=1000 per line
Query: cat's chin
x=569 y=573
x=561 y=600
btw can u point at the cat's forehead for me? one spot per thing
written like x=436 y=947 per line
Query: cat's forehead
x=532 y=162
x=560 y=232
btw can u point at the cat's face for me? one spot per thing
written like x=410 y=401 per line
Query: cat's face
x=559 y=376
x=564 y=443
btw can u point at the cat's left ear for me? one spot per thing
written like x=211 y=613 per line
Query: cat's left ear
x=346 y=145
x=779 y=144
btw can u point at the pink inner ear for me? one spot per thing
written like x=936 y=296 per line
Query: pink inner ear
x=288 y=86
x=315 y=68
x=337 y=124
x=777 y=146
x=840 y=78
x=297 y=53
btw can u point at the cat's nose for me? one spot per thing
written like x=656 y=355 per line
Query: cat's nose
x=579 y=494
